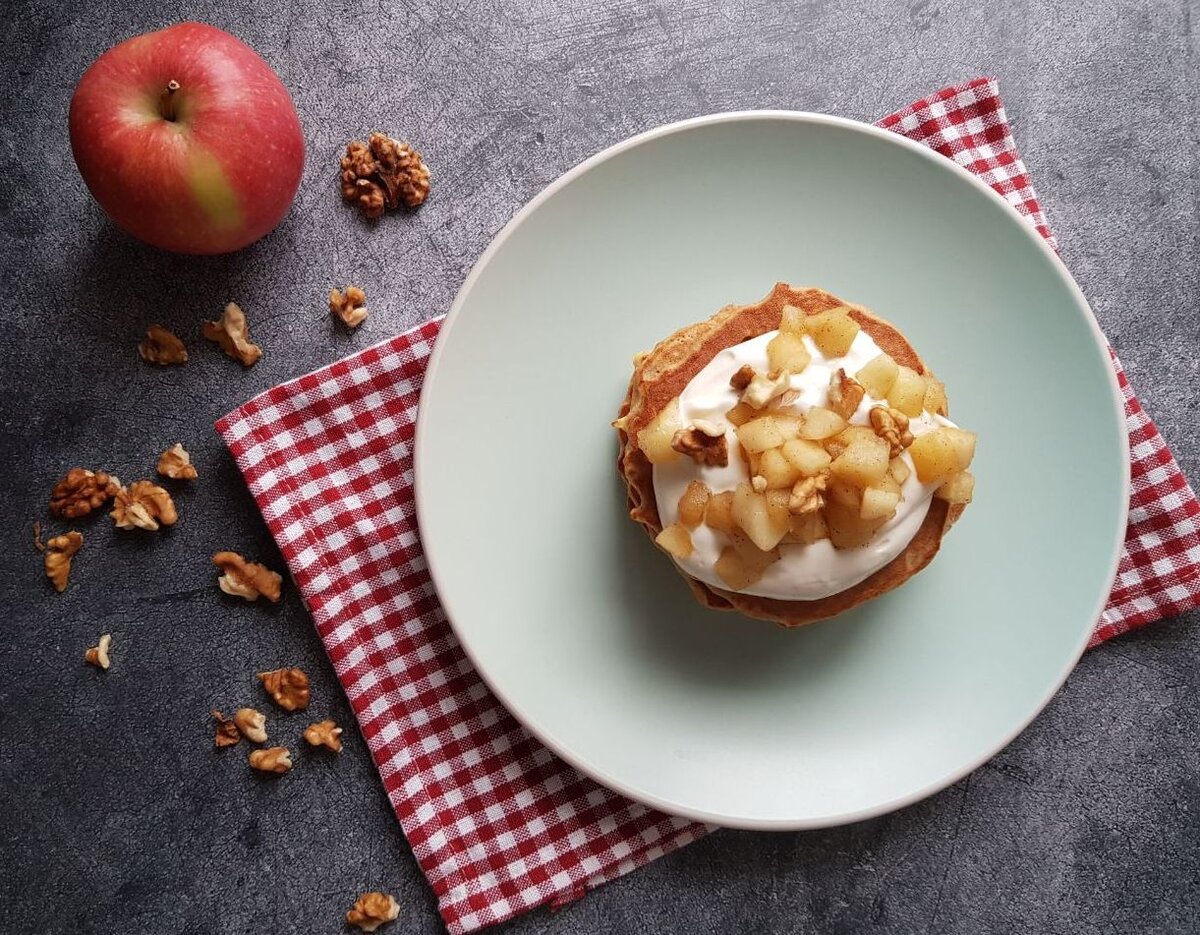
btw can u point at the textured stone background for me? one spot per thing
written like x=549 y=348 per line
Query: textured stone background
x=117 y=815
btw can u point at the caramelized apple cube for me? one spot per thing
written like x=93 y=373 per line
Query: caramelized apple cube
x=787 y=352
x=935 y=396
x=792 y=321
x=755 y=520
x=693 y=504
x=675 y=540
x=833 y=332
x=655 y=439
x=806 y=456
x=864 y=463
x=958 y=489
x=908 y=392
x=718 y=514
x=878 y=375
x=777 y=470
x=878 y=504
x=764 y=432
x=941 y=453
x=820 y=423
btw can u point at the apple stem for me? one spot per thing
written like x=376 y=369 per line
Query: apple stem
x=166 y=104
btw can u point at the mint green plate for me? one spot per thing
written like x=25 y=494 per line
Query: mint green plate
x=584 y=630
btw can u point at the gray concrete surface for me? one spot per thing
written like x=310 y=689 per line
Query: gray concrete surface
x=117 y=815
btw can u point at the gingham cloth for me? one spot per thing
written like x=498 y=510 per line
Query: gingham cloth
x=497 y=823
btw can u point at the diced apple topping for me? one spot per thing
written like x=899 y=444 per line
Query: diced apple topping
x=806 y=456
x=655 y=439
x=847 y=528
x=958 y=489
x=769 y=431
x=935 y=396
x=718 y=514
x=899 y=470
x=820 y=423
x=693 y=503
x=741 y=564
x=675 y=540
x=787 y=352
x=776 y=469
x=878 y=504
x=939 y=454
x=793 y=320
x=741 y=414
x=833 y=331
x=878 y=375
x=908 y=392
x=862 y=464
x=751 y=514
x=807 y=528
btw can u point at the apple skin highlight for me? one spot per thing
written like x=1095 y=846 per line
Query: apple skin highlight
x=187 y=139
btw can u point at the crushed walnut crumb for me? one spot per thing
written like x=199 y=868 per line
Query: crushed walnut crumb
x=271 y=759
x=57 y=558
x=143 y=505
x=372 y=910
x=383 y=173
x=248 y=580
x=288 y=688
x=232 y=333
x=324 y=734
x=227 y=732
x=349 y=306
x=98 y=655
x=162 y=347
x=176 y=463
x=82 y=491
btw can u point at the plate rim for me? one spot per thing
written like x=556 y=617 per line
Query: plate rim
x=561 y=748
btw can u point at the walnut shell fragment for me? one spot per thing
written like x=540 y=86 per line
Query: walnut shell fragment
x=162 y=347
x=82 y=491
x=248 y=580
x=57 y=558
x=288 y=688
x=144 y=505
x=176 y=464
x=232 y=333
x=372 y=910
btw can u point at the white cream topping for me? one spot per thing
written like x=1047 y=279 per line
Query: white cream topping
x=805 y=572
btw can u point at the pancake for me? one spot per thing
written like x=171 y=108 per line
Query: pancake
x=663 y=373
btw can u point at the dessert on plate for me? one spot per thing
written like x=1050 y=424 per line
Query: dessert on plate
x=794 y=457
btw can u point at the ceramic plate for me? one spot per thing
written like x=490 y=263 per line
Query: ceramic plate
x=584 y=630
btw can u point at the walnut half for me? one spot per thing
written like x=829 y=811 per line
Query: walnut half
x=249 y=580
x=892 y=426
x=288 y=687
x=383 y=173
x=232 y=333
x=162 y=347
x=271 y=759
x=349 y=305
x=372 y=910
x=144 y=505
x=324 y=734
x=57 y=558
x=252 y=724
x=82 y=491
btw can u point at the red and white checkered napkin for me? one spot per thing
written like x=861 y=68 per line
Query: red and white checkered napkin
x=498 y=824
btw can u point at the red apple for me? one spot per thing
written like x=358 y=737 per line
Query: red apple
x=187 y=139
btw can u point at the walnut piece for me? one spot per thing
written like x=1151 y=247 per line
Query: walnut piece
x=57 y=559
x=82 y=491
x=324 y=734
x=289 y=688
x=271 y=759
x=348 y=305
x=227 y=731
x=808 y=495
x=740 y=380
x=247 y=579
x=144 y=505
x=703 y=442
x=252 y=724
x=372 y=910
x=162 y=347
x=764 y=387
x=98 y=655
x=176 y=463
x=383 y=173
x=892 y=426
x=845 y=394
x=232 y=333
